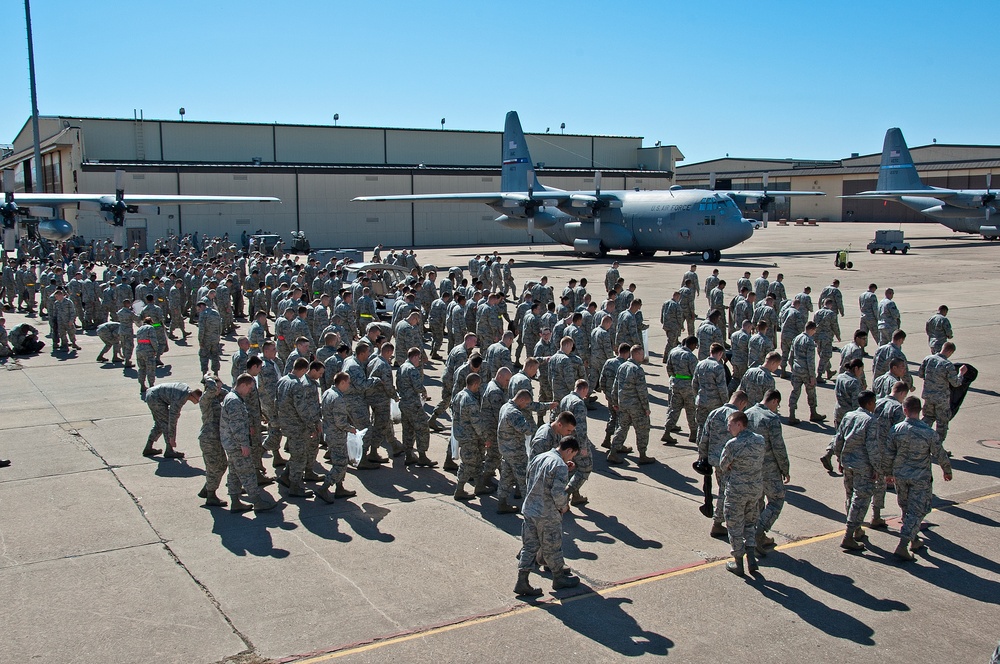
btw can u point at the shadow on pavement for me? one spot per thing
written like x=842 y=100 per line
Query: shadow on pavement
x=976 y=466
x=796 y=497
x=363 y=519
x=176 y=468
x=247 y=534
x=607 y=524
x=604 y=621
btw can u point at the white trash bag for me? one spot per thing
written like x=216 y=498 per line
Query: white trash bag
x=355 y=446
x=527 y=443
x=645 y=342
x=394 y=413
x=454 y=447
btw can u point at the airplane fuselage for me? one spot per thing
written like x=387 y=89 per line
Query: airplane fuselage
x=962 y=219
x=682 y=220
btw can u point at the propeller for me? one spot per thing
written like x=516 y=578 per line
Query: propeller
x=711 y=180
x=9 y=209
x=765 y=201
x=529 y=206
x=988 y=198
x=597 y=205
x=119 y=209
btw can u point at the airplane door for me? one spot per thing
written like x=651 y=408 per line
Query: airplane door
x=137 y=236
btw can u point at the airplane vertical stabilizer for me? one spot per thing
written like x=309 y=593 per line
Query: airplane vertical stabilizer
x=897 y=171
x=516 y=160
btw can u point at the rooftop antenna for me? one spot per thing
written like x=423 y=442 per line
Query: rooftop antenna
x=38 y=185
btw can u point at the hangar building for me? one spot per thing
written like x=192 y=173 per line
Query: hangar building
x=938 y=164
x=316 y=170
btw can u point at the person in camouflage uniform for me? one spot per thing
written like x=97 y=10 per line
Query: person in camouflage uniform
x=804 y=374
x=672 y=322
x=888 y=413
x=267 y=388
x=494 y=396
x=758 y=381
x=759 y=346
x=687 y=294
x=234 y=433
x=145 y=355
x=763 y=419
x=681 y=366
x=940 y=376
x=827 y=327
x=165 y=402
x=868 y=304
x=379 y=399
x=336 y=426
x=409 y=334
x=709 y=384
x=282 y=334
x=412 y=396
x=741 y=463
x=601 y=350
x=545 y=501
x=543 y=350
x=208 y=439
x=209 y=337
x=468 y=426
x=565 y=368
x=576 y=402
x=860 y=456
x=512 y=430
x=64 y=315
x=713 y=438
x=938 y=329
x=155 y=312
x=175 y=303
x=889 y=319
x=740 y=358
x=109 y=334
x=300 y=415
x=911 y=449
x=457 y=356
x=886 y=353
x=854 y=350
x=437 y=319
x=793 y=323
x=357 y=399
x=632 y=397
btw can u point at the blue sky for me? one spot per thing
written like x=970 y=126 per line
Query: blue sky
x=764 y=79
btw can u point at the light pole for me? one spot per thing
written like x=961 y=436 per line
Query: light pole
x=182 y=112
x=336 y=117
x=442 y=124
x=562 y=128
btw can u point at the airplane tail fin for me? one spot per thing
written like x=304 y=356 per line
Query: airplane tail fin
x=517 y=162
x=897 y=171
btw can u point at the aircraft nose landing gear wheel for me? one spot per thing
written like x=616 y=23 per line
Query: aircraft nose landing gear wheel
x=711 y=256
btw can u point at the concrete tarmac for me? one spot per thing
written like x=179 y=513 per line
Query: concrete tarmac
x=106 y=556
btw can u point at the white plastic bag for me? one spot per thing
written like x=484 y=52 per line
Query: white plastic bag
x=454 y=447
x=355 y=446
x=394 y=412
x=645 y=342
x=527 y=443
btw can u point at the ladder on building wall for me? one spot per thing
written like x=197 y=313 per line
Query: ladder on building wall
x=140 y=136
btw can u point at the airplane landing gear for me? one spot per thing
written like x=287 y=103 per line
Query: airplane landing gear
x=711 y=256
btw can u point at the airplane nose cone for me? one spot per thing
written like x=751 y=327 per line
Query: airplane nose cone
x=746 y=229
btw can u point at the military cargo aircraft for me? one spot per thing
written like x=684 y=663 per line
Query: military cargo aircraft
x=596 y=221
x=112 y=207
x=963 y=210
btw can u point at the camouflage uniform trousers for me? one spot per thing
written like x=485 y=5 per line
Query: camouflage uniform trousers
x=701 y=415
x=738 y=373
x=869 y=326
x=797 y=383
x=91 y=313
x=612 y=425
x=859 y=487
x=774 y=493
x=161 y=421
x=628 y=418
x=493 y=460
x=741 y=511
x=584 y=466
x=437 y=338
x=145 y=361
x=720 y=500
x=382 y=432
x=360 y=416
x=471 y=455
x=62 y=334
x=682 y=399
x=689 y=319
x=215 y=462
x=513 y=473
x=442 y=407
x=824 y=346
x=273 y=440
x=209 y=351
x=542 y=534
x=786 y=353
x=177 y=321
x=673 y=335
x=302 y=453
x=914 y=498
x=938 y=413
x=878 y=497
x=161 y=338
x=242 y=475
x=885 y=335
x=128 y=346
x=111 y=343
x=339 y=460
x=544 y=396
x=416 y=432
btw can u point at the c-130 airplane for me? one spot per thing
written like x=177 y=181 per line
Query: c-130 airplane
x=596 y=222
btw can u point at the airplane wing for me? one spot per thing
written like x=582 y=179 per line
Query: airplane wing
x=899 y=193
x=751 y=193
x=491 y=198
x=73 y=200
